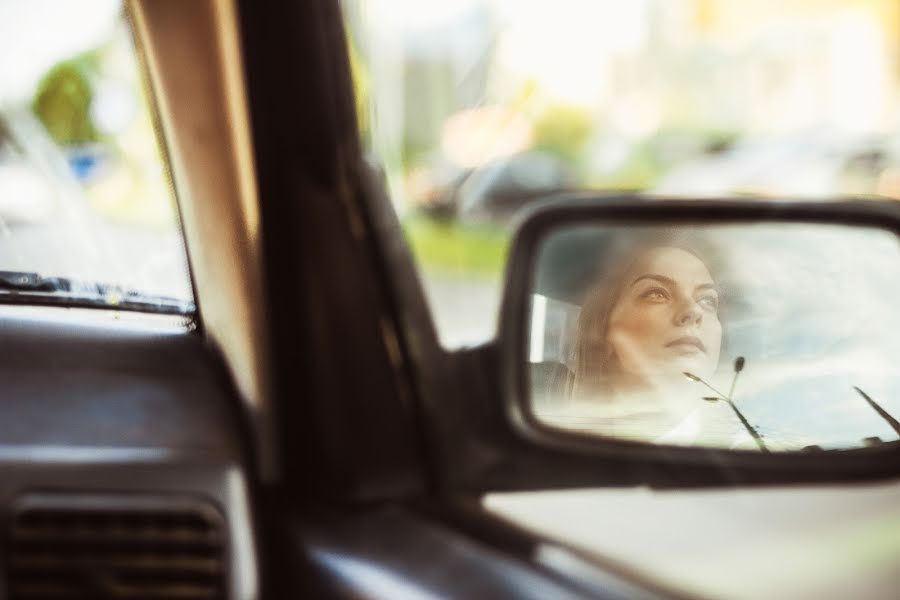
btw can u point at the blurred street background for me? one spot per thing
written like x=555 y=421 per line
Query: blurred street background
x=83 y=188
x=474 y=109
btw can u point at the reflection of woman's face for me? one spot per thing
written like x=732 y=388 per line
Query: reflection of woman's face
x=665 y=321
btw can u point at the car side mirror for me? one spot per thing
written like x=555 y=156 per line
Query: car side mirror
x=757 y=328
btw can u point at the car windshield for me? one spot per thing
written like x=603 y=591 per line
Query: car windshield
x=87 y=216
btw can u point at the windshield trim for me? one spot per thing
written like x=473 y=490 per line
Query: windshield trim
x=145 y=303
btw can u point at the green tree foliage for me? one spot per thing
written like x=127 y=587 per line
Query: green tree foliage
x=563 y=131
x=63 y=102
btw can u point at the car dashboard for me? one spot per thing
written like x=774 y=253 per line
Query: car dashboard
x=123 y=460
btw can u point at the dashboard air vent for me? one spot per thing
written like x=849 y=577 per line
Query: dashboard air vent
x=115 y=547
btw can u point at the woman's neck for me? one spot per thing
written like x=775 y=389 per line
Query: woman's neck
x=672 y=395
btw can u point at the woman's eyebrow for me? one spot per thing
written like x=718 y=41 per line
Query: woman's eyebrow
x=671 y=282
x=661 y=278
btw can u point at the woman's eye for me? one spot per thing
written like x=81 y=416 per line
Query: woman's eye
x=710 y=302
x=655 y=295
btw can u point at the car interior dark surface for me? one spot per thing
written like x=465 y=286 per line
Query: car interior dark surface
x=92 y=461
x=302 y=432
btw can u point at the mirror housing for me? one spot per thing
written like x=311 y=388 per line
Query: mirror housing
x=579 y=209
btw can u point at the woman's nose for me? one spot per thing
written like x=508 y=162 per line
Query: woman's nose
x=689 y=313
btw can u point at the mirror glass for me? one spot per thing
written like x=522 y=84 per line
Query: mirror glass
x=771 y=337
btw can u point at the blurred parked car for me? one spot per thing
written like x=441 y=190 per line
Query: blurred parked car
x=495 y=191
x=803 y=165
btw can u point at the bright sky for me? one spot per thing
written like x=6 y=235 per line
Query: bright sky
x=36 y=34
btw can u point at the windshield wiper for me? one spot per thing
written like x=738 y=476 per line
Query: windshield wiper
x=18 y=287
x=738 y=367
x=32 y=282
x=895 y=425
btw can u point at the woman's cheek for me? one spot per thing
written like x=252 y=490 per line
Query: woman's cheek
x=628 y=350
x=643 y=322
x=633 y=331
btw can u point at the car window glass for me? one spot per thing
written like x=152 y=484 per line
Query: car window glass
x=86 y=210
x=477 y=107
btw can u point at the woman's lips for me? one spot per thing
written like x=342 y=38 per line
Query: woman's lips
x=687 y=344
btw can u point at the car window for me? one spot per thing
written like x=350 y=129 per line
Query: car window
x=476 y=108
x=86 y=210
